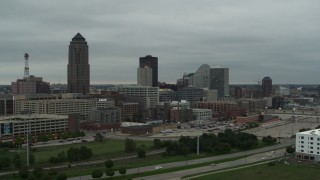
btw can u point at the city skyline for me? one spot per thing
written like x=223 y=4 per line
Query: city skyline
x=252 y=39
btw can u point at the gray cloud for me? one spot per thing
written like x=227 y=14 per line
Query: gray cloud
x=253 y=38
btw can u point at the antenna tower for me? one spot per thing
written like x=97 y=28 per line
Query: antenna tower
x=26 y=65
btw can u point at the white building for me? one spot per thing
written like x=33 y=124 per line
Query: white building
x=149 y=96
x=144 y=76
x=308 y=145
x=202 y=114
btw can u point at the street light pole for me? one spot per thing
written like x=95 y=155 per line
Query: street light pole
x=28 y=164
x=198 y=138
x=27 y=112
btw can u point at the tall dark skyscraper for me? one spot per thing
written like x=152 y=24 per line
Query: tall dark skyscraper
x=78 y=66
x=151 y=62
x=219 y=80
x=266 y=87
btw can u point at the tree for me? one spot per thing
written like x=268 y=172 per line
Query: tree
x=97 y=173
x=4 y=162
x=99 y=137
x=52 y=172
x=269 y=140
x=18 y=141
x=130 y=145
x=43 y=138
x=32 y=159
x=37 y=172
x=62 y=176
x=122 y=170
x=24 y=173
x=17 y=160
x=109 y=163
x=157 y=143
x=290 y=149
x=141 y=152
x=110 y=172
x=85 y=153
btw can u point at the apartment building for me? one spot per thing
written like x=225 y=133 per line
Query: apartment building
x=308 y=145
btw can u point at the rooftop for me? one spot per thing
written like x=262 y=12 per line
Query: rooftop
x=78 y=37
x=311 y=132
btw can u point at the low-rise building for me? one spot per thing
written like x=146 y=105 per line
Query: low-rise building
x=19 y=125
x=308 y=145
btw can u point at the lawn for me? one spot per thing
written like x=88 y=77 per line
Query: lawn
x=106 y=149
x=266 y=172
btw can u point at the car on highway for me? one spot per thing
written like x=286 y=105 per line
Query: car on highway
x=158 y=167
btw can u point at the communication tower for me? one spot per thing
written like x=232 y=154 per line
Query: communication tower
x=26 y=65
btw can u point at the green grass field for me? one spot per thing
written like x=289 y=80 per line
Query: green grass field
x=107 y=149
x=266 y=172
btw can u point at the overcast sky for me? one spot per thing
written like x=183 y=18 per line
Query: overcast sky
x=253 y=38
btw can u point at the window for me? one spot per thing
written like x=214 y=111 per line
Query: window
x=311 y=138
x=302 y=150
x=311 y=151
x=311 y=142
x=301 y=137
x=302 y=141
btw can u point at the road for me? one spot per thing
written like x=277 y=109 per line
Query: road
x=253 y=158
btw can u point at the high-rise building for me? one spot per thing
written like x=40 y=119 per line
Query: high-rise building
x=266 y=87
x=78 y=66
x=144 y=76
x=219 y=80
x=200 y=79
x=151 y=62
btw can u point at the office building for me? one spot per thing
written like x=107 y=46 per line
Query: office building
x=144 y=76
x=6 y=105
x=63 y=104
x=109 y=115
x=237 y=92
x=167 y=95
x=219 y=80
x=266 y=87
x=202 y=114
x=308 y=145
x=30 y=85
x=78 y=66
x=190 y=94
x=147 y=96
x=200 y=78
x=151 y=62
x=129 y=109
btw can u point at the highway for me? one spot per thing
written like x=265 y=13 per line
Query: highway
x=257 y=155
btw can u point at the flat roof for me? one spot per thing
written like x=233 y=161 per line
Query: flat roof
x=310 y=132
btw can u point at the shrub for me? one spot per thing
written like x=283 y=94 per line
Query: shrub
x=62 y=176
x=97 y=173
x=109 y=163
x=24 y=172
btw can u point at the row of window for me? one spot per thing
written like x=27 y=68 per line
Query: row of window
x=309 y=138
x=309 y=151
